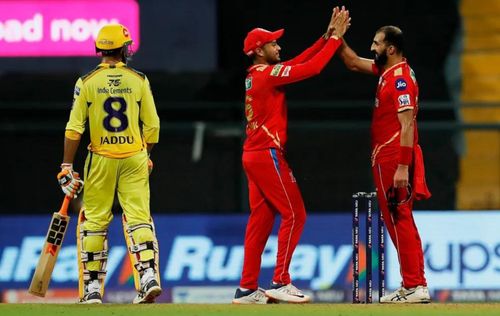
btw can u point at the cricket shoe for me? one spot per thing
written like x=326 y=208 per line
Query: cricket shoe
x=287 y=293
x=92 y=293
x=416 y=295
x=150 y=289
x=250 y=297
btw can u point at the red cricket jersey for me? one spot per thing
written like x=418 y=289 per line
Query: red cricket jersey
x=265 y=104
x=397 y=91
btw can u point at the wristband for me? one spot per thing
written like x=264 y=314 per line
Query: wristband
x=66 y=166
x=405 y=155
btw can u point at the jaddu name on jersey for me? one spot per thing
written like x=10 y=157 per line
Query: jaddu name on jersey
x=117 y=140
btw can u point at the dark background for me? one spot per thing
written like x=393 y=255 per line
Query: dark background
x=192 y=54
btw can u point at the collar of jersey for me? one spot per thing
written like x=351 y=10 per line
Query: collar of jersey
x=394 y=66
x=117 y=65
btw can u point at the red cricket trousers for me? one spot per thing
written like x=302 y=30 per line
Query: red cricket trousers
x=272 y=190
x=401 y=226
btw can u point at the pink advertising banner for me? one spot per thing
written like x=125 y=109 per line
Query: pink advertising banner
x=61 y=28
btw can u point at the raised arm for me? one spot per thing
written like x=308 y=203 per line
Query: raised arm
x=284 y=74
x=308 y=53
x=318 y=45
x=355 y=63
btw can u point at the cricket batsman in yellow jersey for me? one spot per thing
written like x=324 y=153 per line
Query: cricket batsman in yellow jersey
x=118 y=105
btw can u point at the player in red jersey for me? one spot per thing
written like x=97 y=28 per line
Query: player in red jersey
x=397 y=160
x=272 y=187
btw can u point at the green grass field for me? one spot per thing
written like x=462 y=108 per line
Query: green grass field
x=233 y=310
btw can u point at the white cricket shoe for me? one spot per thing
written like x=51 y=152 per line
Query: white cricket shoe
x=150 y=289
x=92 y=293
x=250 y=297
x=416 y=295
x=287 y=293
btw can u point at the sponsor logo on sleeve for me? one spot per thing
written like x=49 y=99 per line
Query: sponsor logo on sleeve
x=404 y=100
x=398 y=72
x=276 y=70
x=413 y=77
x=248 y=83
x=77 y=90
x=286 y=71
x=401 y=84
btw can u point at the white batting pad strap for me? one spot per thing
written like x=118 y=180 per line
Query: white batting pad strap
x=148 y=245
x=94 y=233
x=93 y=256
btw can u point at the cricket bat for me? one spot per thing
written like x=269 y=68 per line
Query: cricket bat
x=48 y=256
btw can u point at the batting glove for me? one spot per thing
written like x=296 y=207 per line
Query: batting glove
x=70 y=181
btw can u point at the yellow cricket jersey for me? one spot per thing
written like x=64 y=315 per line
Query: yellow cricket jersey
x=119 y=106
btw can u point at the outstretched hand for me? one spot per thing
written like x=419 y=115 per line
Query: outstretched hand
x=329 y=29
x=339 y=22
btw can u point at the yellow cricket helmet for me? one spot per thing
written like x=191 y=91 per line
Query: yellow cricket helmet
x=111 y=37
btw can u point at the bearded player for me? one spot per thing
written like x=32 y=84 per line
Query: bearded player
x=397 y=160
x=272 y=187
x=117 y=102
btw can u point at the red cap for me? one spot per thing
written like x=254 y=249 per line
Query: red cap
x=258 y=37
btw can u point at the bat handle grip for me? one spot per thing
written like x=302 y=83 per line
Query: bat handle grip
x=64 y=207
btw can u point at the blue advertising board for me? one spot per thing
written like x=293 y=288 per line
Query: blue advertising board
x=462 y=252
x=194 y=250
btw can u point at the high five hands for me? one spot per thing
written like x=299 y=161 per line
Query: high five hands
x=339 y=23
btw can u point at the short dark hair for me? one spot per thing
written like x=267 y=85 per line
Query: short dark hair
x=124 y=52
x=393 y=36
x=112 y=52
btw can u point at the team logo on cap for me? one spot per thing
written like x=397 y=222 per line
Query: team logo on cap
x=104 y=42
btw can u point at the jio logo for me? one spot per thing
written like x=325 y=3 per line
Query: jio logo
x=400 y=84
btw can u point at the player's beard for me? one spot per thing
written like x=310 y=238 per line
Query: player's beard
x=381 y=59
x=272 y=57
x=273 y=60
